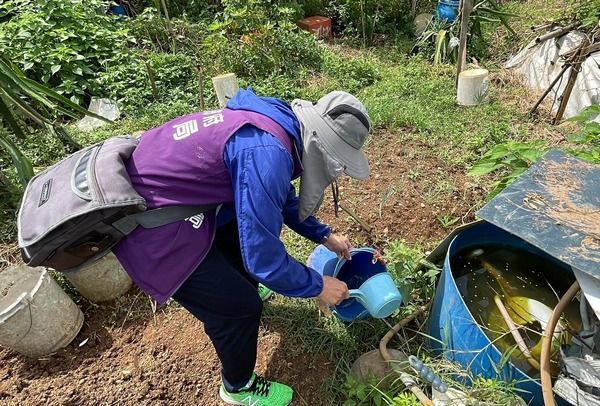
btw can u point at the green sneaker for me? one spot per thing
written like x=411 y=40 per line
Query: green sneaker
x=260 y=393
x=264 y=292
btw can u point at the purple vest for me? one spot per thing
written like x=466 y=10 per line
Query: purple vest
x=181 y=163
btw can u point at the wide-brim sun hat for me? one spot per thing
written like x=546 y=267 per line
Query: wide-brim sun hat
x=341 y=124
x=334 y=131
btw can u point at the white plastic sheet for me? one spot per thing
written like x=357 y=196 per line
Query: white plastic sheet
x=539 y=64
x=102 y=107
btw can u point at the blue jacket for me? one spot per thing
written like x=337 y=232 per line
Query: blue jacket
x=261 y=171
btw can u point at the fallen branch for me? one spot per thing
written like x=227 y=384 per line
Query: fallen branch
x=352 y=214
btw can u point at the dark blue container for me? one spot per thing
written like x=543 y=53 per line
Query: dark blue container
x=455 y=332
x=354 y=273
x=118 y=10
x=447 y=10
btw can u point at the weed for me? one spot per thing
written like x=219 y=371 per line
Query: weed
x=362 y=394
x=448 y=220
x=411 y=271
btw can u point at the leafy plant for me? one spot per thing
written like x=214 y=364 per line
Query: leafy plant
x=415 y=274
x=252 y=42
x=589 y=138
x=129 y=84
x=512 y=158
x=362 y=394
x=63 y=43
x=440 y=38
x=447 y=220
x=405 y=399
x=364 y=19
x=586 y=12
x=22 y=100
x=353 y=74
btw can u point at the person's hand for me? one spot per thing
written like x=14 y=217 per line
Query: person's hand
x=340 y=245
x=334 y=291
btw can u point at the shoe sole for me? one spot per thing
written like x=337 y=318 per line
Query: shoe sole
x=225 y=398
x=267 y=297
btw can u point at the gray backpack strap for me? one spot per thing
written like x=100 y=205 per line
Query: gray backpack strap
x=158 y=217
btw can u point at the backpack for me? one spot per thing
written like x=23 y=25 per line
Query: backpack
x=75 y=211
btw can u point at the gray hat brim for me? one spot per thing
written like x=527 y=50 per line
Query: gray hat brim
x=355 y=161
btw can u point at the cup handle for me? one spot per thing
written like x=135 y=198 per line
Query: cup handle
x=357 y=293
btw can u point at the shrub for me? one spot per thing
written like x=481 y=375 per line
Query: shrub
x=62 y=43
x=129 y=84
x=366 y=18
x=353 y=74
x=587 y=12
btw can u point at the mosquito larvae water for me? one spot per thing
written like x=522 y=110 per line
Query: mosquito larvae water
x=529 y=286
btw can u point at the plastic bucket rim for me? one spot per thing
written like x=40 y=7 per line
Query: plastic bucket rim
x=23 y=300
x=341 y=261
x=336 y=269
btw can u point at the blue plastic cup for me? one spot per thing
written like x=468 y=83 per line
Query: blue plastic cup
x=379 y=295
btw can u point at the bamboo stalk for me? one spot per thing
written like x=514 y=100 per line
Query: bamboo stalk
x=556 y=33
x=406 y=379
x=545 y=376
x=168 y=22
x=152 y=81
x=467 y=7
x=554 y=82
x=535 y=28
x=564 y=100
x=200 y=73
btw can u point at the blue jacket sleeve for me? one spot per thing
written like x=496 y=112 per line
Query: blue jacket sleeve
x=261 y=180
x=311 y=228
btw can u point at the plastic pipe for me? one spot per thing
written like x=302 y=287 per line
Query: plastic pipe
x=547 y=344
x=406 y=379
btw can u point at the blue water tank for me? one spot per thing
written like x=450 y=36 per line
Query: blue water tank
x=457 y=335
x=447 y=10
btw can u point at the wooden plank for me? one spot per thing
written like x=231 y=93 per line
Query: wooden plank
x=564 y=100
x=467 y=7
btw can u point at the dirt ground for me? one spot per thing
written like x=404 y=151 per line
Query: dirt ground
x=167 y=359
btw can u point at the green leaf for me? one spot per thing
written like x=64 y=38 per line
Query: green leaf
x=480 y=169
x=62 y=100
x=532 y=155
x=10 y=120
x=20 y=161
x=24 y=107
x=55 y=68
x=440 y=41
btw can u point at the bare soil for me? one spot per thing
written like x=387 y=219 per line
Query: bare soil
x=166 y=359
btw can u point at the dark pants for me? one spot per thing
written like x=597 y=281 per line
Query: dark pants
x=222 y=295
